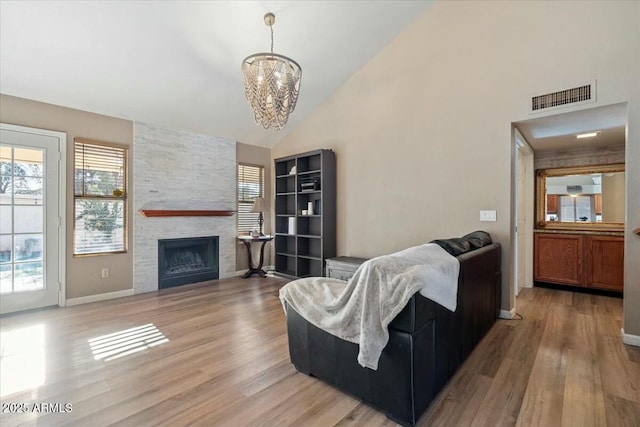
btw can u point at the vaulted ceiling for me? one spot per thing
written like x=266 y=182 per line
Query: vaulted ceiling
x=177 y=63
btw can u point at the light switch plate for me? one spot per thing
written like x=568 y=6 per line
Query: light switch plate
x=487 y=215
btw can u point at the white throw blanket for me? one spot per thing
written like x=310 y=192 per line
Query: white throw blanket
x=360 y=311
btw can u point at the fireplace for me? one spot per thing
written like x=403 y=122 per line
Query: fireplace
x=189 y=260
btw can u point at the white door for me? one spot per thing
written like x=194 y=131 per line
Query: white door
x=29 y=218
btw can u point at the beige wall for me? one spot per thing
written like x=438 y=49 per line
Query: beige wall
x=83 y=273
x=613 y=197
x=260 y=156
x=422 y=133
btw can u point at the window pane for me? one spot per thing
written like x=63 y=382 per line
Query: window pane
x=5 y=278
x=5 y=220
x=28 y=276
x=27 y=191
x=99 y=226
x=583 y=208
x=6 y=160
x=28 y=247
x=99 y=169
x=28 y=162
x=5 y=248
x=29 y=219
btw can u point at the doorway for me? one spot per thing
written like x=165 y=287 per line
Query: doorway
x=32 y=192
x=585 y=137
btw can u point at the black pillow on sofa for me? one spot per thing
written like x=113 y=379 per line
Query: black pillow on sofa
x=478 y=239
x=455 y=246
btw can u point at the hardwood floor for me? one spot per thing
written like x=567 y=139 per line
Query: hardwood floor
x=216 y=354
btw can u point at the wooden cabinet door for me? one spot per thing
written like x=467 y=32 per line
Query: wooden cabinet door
x=552 y=204
x=598 y=203
x=558 y=258
x=606 y=262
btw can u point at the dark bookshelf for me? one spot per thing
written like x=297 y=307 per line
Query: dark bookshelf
x=299 y=180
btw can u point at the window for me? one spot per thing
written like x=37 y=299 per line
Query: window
x=577 y=208
x=100 y=198
x=250 y=186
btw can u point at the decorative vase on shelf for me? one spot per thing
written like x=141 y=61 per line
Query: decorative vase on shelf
x=310 y=208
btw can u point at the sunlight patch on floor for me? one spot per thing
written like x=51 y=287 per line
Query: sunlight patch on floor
x=123 y=343
x=22 y=359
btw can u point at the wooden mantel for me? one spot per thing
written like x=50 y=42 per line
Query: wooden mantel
x=178 y=212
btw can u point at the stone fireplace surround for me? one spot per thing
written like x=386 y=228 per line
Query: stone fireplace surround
x=176 y=169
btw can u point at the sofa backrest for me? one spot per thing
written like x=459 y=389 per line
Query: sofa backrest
x=460 y=245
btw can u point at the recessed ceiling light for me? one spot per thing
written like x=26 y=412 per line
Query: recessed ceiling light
x=588 y=135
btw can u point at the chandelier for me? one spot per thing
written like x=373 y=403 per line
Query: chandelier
x=271 y=84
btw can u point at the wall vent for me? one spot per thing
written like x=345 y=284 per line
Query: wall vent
x=576 y=95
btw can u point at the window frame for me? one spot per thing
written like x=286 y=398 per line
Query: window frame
x=123 y=198
x=262 y=179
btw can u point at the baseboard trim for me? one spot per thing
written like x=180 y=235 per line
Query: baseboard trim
x=630 y=339
x=508 y=314
x=99 y=297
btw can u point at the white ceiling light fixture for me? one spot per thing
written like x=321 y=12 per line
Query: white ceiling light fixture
x=587 y=135
x=271 y=84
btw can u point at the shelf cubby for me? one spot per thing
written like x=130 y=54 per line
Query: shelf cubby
x=284 y=167
x=286 y=184
x=285 y=204
x=311 y=162
x=309 y=267
x=285 y=245
x=309 y=247
x=310 y=226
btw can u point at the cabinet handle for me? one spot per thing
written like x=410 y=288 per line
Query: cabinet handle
x=637 y=231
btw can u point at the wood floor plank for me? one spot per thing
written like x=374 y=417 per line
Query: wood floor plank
x=620 y=376
x=543 y=399
x=583 y=402
x=226 y=362
x=502 y=402
x=621 y=412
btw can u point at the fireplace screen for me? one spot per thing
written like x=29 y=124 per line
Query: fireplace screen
x=185 y=261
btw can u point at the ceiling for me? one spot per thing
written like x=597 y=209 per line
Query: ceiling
x=177 y=64
x=558 y=132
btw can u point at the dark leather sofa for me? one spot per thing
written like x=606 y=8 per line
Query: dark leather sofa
x=427 y=342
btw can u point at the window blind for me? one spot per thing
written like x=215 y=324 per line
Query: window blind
x=100 y=182
x=250 y=186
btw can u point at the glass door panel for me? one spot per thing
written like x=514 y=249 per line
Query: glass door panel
x=22 y=219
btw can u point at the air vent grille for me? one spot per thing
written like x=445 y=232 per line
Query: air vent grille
x=563 y=97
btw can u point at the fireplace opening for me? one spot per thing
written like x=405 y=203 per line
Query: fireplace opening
x=188 y=260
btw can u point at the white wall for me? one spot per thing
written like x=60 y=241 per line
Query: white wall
x=181 y=170
x=422 y=133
